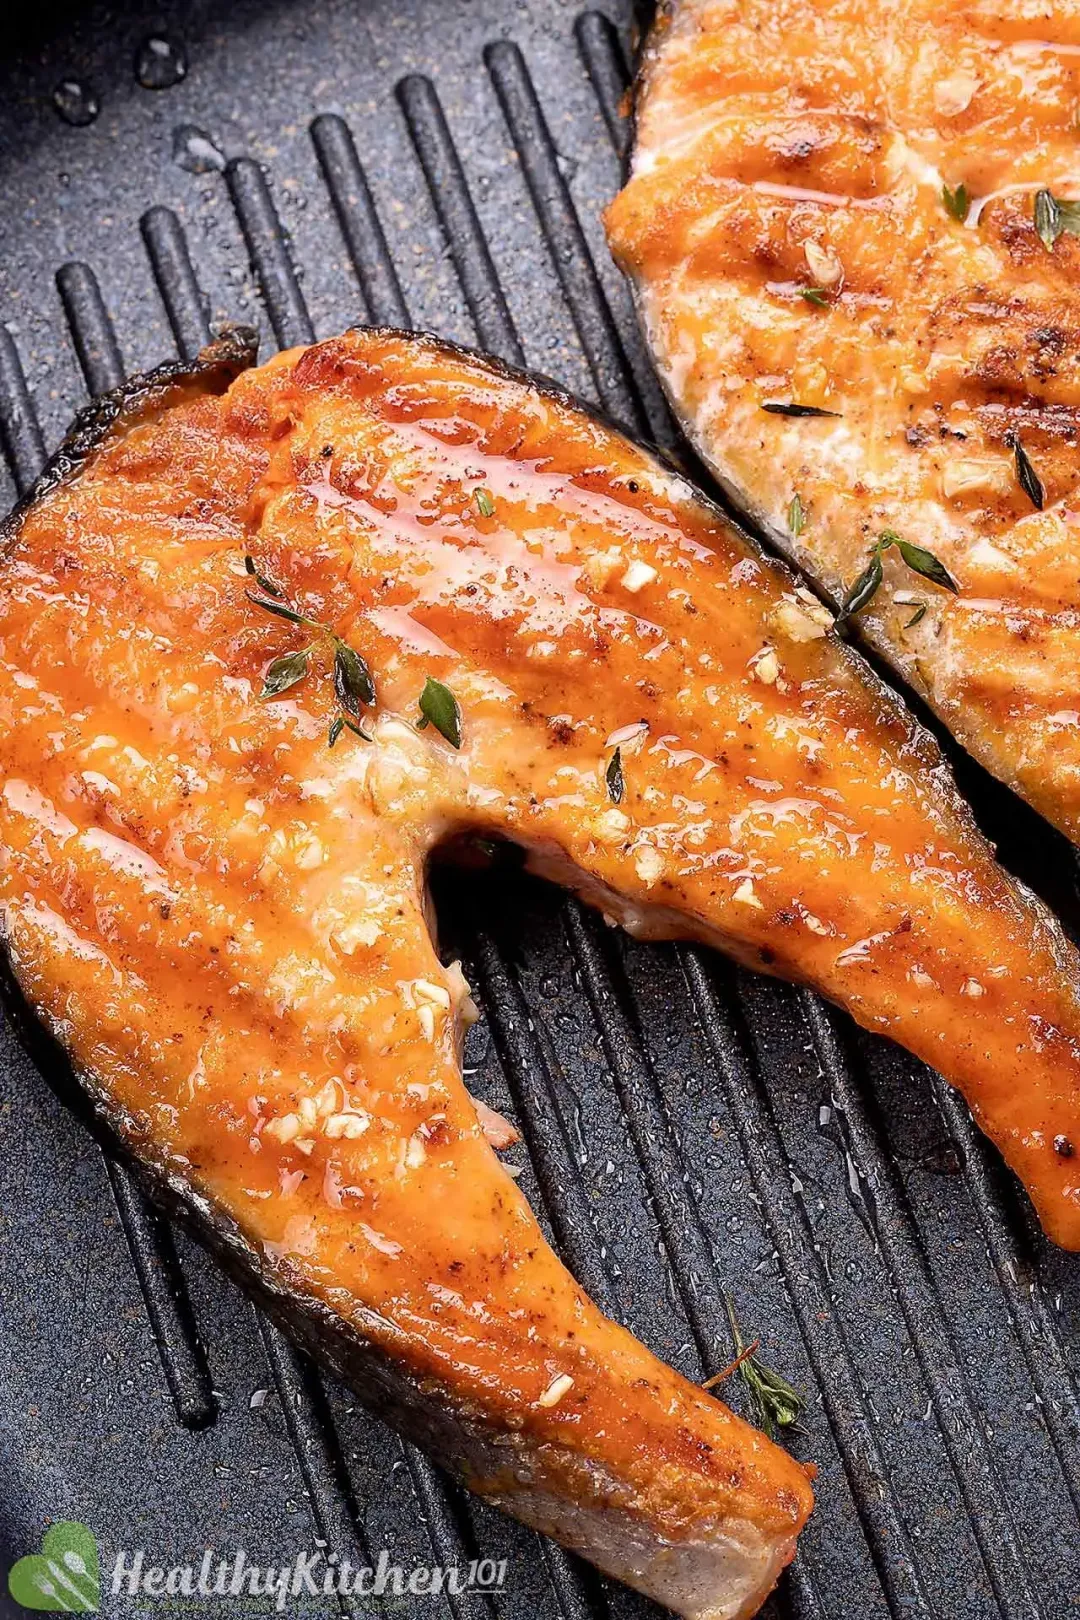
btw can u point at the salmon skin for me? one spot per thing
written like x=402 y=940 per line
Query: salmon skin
x=221 y=916
x=857 y=207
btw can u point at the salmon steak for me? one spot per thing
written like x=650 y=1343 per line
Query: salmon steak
x=268 y=637
x=855 y=257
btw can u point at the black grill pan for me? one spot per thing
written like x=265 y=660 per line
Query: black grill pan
x=688 y=1128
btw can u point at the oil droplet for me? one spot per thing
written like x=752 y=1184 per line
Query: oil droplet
x=76 y=102
x=160 y=62
x=193 y=149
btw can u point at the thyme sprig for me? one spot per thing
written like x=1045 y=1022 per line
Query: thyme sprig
x=917 y=558
x=354 y=688
x=774 y=1403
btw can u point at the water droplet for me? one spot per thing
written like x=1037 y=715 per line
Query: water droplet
x=160 y=62
x=193 y=149
x=76 y=102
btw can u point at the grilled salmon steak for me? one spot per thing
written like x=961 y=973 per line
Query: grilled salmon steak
x=268 y=637
x=858 y=208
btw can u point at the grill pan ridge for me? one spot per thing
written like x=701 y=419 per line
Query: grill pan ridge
x=688 y=1128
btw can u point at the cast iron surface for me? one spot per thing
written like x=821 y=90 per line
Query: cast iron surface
x=687 y=1127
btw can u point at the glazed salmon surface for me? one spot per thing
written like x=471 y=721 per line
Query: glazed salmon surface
x=818 y=148
x=222 y=917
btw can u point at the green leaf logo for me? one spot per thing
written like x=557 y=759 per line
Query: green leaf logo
x=63 y=1578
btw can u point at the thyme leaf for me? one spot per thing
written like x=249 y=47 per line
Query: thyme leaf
x=484 y=503
x=340 y=723
x=285 y=672
x=282 y=611
x=1054 y=215
x=613 y=776
x=774 y=1403
x=439 y=708
x=814 y=295
x=780 y=407
x=957 y=202
x=796 y=516
x=923 y=562
x=1047 y=218
x=1026 y=476
x=918 y=615
x=262 y=580
x=353 y=685
x=864 y=589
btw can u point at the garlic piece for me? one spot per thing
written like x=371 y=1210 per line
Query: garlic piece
x=435 y=994
x=747 y=895
x=637 y=576
x=309 y=853
x=824 y=264
x=799 y=620
x=286 y=1129
x=348 y=1125
x=415 y=1152
x=350 y=936
x=648 y=864
x=555 y=1390
x=609 y=827
x=629 y=738
x=954 y=94
x=601 y=566
x=975 y=477
x=326 y=1100
x=461 y=993
x=765 y=666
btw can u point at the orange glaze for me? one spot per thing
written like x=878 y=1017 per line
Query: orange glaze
x=806 y=145
x=223 y=919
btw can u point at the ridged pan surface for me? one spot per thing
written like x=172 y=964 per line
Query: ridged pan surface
x=687 y=1128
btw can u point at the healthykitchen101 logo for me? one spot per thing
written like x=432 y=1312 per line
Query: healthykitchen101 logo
x=65 y=1576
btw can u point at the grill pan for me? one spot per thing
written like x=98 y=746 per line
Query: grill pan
x=688 y=1127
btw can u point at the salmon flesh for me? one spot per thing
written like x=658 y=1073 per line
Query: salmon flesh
x=862 y=209
x=267 y=637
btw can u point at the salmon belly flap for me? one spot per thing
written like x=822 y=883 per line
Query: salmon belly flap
x=276 y=639
x=865 y=209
